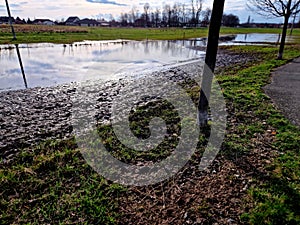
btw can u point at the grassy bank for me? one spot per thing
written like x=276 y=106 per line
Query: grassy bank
x=275 y=199
x=62 y=34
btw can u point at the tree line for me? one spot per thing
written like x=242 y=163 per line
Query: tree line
x=177 y=15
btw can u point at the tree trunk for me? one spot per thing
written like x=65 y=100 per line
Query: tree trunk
x=284 y=31
x=210 y=61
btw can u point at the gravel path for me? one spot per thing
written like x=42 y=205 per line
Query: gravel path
x=32 y=116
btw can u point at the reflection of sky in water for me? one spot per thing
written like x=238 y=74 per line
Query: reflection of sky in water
x=51 y=64
x=258 y=38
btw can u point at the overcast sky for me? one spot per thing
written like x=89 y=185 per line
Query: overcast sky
x=56 y=10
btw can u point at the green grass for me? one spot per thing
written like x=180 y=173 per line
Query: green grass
x=31 y=34
x=54 y=185
x=277 y=199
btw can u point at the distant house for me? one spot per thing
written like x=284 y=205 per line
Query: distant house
x=20 y=21
x=43 y=22
x=5 y=20
x=88 y=23
x=72 y=21
x=104 y=24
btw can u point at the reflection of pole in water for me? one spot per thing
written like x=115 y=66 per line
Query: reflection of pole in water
x=21 y=65
x=246 y=37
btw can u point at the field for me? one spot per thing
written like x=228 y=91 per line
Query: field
x=52 y=184
x=63 y=34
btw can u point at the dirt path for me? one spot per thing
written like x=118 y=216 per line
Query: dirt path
x=285 y=90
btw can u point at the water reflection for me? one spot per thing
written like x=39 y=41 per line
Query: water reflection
x=239 y=39
x=52 y=64
x=256 y=38
x=21 y=66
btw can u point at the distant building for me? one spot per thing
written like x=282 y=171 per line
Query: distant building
x=89 y=23
x=260 y=25
x=5 y=20
x=20 y=21
x=104 y=24
x=43 y=22
x=72 y=21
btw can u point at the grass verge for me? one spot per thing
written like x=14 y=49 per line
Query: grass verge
x=276 y=198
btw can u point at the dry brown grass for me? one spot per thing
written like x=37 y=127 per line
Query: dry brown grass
x=43 y=28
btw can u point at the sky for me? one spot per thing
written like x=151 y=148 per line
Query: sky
x=58 y=10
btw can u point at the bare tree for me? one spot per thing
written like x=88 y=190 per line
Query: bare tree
x=157 y=17
x=134 y=14
x=183 y=14
x=196 y=11
x=277 y=8
x=294 y=20
x=166 y=15
x=206 y=16
x=146 y=10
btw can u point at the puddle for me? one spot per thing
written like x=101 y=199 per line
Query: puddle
x=53 y=64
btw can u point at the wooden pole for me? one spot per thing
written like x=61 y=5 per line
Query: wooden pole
x=210 y=61
x=17 y=46
x=10 y=21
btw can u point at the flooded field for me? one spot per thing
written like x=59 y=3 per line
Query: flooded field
x=48 y=64
x=243 y=39
x=260 y=38
x=52 y=64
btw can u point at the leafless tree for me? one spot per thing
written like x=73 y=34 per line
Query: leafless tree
x=146 y=10
x=196 y=10
x=276 y=8
x=183 y=13
x=134 y=14
x=294 y=20
x=157 y=17
x=206 y=16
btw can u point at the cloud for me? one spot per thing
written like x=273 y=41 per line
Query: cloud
x=53 y=8
x=106 y=2
x=18 y=5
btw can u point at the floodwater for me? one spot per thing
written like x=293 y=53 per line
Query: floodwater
x=260 y=38
x=53 y=64
x=244 y=39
